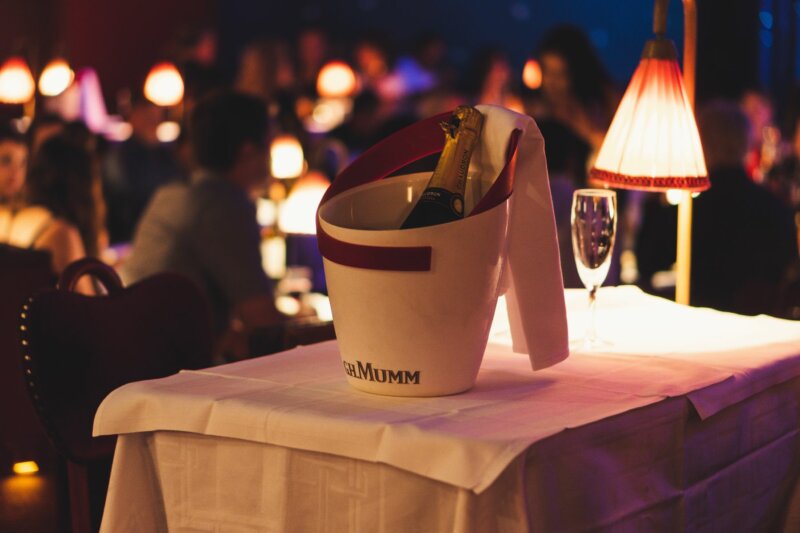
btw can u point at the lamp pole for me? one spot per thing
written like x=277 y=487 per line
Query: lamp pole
x=684 y=250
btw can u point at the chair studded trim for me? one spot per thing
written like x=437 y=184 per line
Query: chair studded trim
x=77 y=349
x=30 y=374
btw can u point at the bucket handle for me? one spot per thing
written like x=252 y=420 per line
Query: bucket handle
x=406 y=146
x=402 y=148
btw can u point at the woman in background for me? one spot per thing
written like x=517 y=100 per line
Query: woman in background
x=61 y=210
x=576 y=89
x=490 y=80
x=13 y=164
x=574 y=108
x=266 y=70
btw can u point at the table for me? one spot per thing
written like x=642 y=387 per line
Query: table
x=689 y=422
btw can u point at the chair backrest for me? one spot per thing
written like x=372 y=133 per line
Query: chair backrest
x=77 y=348
x=22 y=272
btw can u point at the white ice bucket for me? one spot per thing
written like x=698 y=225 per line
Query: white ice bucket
x=412 y=308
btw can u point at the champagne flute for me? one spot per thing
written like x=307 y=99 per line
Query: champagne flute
x=594 y=226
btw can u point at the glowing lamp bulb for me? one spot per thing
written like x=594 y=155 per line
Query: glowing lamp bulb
x=56 y=78
x=674 y=196
x=25 y=468
x=16 y=82
x=298 y=214
x=164 y=85
x=286 y=157
x=532 y=74
x=336 y=80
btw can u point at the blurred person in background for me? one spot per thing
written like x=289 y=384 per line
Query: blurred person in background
x=654 y=245
x=266 y=71
x=79 y=134
x=374 y=63
x=44 y=126
x=194 y=50
x=207 y=229
x=490 y=80
x=363 y=127
x=573 y=108
x=563 y=151
x=133 y=169
x=577 y=94
x=312 y=52
x=576 y=88
x=743 y=237
x=784 y=178
x=421 y=71
x=764 y=135
x=61 y=211
x=13 y=164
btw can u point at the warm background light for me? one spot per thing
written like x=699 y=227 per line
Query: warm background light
x=25 y=468
x=16 y=82
x=336 y=80
x=119 y=132
x=327 y=114
x=168 y=131
x=298 y=214
x=273 y=256
x=287 y=305
x=532 y=74
x=56 y=78
x=286 y=157
x=653 y=138
x=164 y=85
x=266 y=212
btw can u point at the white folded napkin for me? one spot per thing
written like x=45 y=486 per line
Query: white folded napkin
x=535 y=293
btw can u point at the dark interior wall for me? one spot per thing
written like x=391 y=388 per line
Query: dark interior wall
x=28 y=28
x=618 y=28
x=121 y=39
x=727 y=47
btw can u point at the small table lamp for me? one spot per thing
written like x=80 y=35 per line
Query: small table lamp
x=653 y=143
x=17 y=85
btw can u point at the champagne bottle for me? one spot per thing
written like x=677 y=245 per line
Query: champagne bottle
x=443 y=198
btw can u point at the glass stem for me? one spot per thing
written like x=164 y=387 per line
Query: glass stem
x=591 y=332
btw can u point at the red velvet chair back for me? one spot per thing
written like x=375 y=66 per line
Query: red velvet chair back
x=77 y=348
x=22 y=272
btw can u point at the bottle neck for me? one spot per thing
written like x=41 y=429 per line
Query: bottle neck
x=453 y=166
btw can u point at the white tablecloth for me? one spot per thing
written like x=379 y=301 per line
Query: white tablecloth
x=282 y=443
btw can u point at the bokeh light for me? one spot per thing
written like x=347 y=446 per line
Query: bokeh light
x=168 y=131
x=25 y=468
x=532 y=74
x=286 y=157
x=336 y=80
x=298 y=214
x=56 y=77
x=17 y=85
x=164 y=85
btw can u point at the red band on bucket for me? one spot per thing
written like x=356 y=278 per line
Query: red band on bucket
x=408 y=145
x=399 y=258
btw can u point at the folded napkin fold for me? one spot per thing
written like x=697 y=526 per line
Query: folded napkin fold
x=535 y=295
